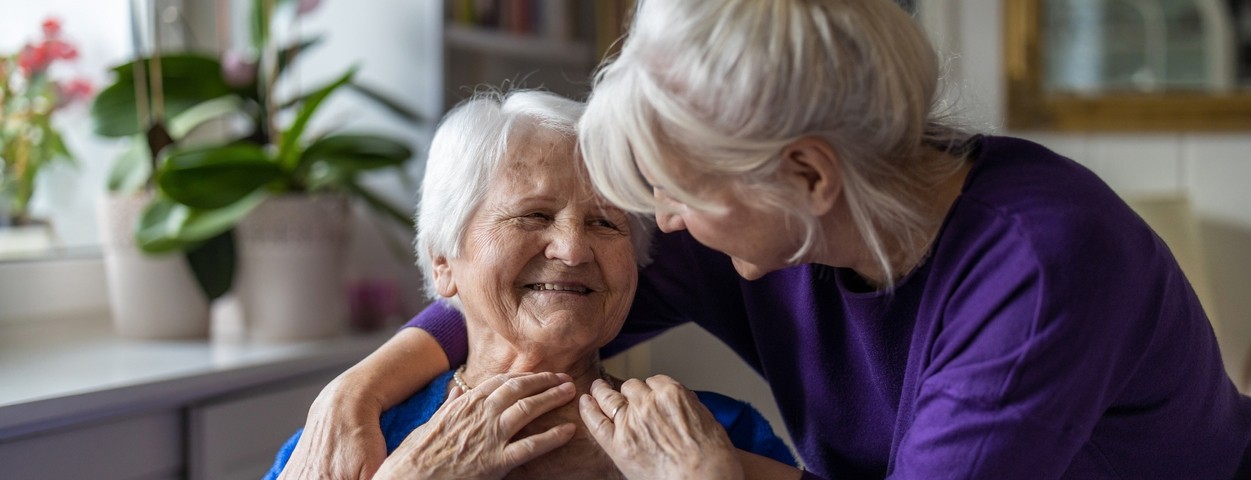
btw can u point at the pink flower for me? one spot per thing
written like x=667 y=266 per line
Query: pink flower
x=77 y=89
x=307 y=6
x=237 y=69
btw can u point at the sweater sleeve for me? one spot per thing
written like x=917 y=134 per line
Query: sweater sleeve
x=447 y=326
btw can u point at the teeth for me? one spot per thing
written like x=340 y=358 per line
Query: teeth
x=552 y=286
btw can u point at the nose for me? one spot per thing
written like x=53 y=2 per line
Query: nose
x=668 y=221
x=570 y=245
x=667 y=217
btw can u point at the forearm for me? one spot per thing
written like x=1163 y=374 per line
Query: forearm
x=404 y=364
x=756 y=466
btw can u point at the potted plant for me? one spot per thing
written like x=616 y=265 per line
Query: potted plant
x=30 y=96
x=275 y=198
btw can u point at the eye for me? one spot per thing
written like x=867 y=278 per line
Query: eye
x=608 y=225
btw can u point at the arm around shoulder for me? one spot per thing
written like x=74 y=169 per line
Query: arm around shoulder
x=343 y=437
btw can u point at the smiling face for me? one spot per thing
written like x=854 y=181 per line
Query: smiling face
x=544 y=264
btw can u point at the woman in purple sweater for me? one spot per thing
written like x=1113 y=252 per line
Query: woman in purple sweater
x=923 y=303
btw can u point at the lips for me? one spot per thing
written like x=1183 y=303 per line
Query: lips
x=559 y=287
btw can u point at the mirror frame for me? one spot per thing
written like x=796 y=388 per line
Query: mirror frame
x=1028 y=107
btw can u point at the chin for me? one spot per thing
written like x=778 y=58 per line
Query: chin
x=749 y=271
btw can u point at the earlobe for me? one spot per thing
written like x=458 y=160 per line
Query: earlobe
x=812 y=163
x=444 y=283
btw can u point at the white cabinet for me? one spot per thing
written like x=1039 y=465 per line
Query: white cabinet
x=237 y=437
x=78 y=402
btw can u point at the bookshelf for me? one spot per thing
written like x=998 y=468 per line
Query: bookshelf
x=553 y=44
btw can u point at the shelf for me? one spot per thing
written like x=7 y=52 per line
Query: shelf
x=494 y=43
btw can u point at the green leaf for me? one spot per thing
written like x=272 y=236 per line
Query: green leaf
x=187 y=80
x=356 y=152
x=171 y=226
x=131 y=170
x=288 y=153
x=213 y=264
x=183 y=123
x=214 y=177
x=159 y=226
x=387 y=102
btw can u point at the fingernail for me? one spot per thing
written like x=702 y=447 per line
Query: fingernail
x=565 y=387
x=564 y=377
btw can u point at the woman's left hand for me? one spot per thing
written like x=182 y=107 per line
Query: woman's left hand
x=658 y=429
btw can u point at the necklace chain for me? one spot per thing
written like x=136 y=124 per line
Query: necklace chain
x=458 y=378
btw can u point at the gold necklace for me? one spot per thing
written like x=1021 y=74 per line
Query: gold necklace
x=464 y=387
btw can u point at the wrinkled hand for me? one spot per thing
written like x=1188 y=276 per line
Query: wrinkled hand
x=342 y=439
x=471 y=435
x=659 y=429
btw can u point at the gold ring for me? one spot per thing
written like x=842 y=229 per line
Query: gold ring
x=613 y=417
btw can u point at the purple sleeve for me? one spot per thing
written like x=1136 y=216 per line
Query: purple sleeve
x=448 y=327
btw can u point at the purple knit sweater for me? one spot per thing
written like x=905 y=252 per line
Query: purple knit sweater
x=1050 y=334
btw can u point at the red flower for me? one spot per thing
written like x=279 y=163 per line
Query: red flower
x=33 y=60
x=77 y=89
x=58 y=49
x=51 y=27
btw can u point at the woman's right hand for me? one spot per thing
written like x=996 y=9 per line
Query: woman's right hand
x=471 y=434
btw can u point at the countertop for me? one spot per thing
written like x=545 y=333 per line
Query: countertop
x=56 y=373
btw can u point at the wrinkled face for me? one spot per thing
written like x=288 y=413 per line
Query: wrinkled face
x=544 y=262
x=757 y=239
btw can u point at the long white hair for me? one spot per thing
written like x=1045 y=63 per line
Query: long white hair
x=725 y=85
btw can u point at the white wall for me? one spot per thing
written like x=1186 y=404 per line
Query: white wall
x=397 y=45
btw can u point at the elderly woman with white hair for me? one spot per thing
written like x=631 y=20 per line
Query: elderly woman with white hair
x=512 y=237
x=924 y=303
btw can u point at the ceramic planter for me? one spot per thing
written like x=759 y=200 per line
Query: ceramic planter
x=150 y=296
x=292 y=251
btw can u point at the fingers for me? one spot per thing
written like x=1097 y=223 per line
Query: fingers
x=506 y=389
x=534 y=446
x=527 y=409
x=597 y=423
x=611 y=403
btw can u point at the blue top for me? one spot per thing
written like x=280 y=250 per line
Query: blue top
x=1050 y=334
x=748 y=430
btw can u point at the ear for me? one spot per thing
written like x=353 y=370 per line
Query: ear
x=444 y=283
x=812 y=164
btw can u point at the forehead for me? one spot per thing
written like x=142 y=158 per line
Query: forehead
x=539 y=161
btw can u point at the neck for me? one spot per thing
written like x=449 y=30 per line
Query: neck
x=489 y=356
x=904 y=252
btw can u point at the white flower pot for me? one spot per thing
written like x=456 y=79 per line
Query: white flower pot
x=289 y=282
x=150 y=296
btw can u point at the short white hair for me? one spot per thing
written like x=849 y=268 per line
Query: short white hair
x=468 y=147
x=726 y=85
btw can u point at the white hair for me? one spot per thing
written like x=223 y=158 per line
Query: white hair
x=726 y=85
x=465 y=154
